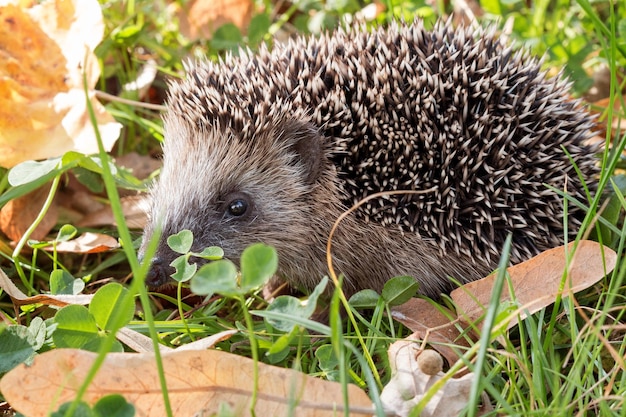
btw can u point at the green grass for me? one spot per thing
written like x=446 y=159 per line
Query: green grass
x=567 y=360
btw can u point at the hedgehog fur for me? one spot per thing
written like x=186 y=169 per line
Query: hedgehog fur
x=274 y=146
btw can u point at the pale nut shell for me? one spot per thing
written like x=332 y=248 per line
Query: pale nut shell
x=430 y=362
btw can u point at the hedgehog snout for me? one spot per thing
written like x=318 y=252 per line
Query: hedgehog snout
x=159 y=273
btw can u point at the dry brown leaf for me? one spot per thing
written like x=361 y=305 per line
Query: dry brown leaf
x=414 y=373
x=76 y=200
x=197 y=381
x=19 y=298
x=536 y=281
x=141 y=166
x=200 y=18
x=209 y=341
x=81 y=207
x=87 y=243
x=431 y=325
x=43 y=52
x=134 y=209
x=618 y=123
x=18 y=214
x=138 y=342
x=143 y=344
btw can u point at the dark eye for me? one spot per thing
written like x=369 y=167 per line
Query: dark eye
x=237 y=204
x=237 y=207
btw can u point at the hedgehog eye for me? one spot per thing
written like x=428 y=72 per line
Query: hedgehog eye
x=237 y=207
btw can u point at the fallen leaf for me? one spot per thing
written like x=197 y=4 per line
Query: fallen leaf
x=431 y=325
x=618 y=124
x=88 y=242
x=19 y=298
x=414 y=373
x=197 y=381
x=45 y=49
x=141 y=166
x=143 y=344
x=536 y=282
x=18 y=214
x=134 y=209
x=208 y=342
x=200 y=18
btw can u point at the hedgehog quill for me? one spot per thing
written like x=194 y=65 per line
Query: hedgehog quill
x=272 y=147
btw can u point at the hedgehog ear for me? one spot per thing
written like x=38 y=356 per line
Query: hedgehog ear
x=307 y=144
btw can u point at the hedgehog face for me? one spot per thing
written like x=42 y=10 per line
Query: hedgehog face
x=232 y=191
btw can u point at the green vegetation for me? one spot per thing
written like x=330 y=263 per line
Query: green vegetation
x=567 y=360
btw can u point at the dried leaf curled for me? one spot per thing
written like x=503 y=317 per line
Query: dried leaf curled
x=88 y=242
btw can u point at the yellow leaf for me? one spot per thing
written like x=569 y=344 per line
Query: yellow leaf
x=44 y=50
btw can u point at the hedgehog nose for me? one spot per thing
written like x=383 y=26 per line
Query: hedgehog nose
x=159 y=273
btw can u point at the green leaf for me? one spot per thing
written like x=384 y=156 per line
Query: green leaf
x=30 y=171
x=399 y=290
x=37 y=329
x=212 y=253
x=126 y=35
x=73 y=158
x=82 y=410
x=288 y=305
x=227 y=37
x=259 y=263
x=66 y=232
x=89 y=179
x=281 y=344
x=96 y=344
x=258 y=28
x=111 y=307
x=62 y=282
x=35 y=244
x=30 y=175
x=181 y=242
x=328 y=362
x=92 y=163
x=311 y=303
x=114 y=405
x=367 y=298
x=216 y=277
x=17 y=345
x=293 y=307
x=76 y=326
x=327 y=358
x=492 y=7
x=184 y=270
x=275 y=355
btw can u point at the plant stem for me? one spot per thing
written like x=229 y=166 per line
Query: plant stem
x=255 y=352
x=22 y=242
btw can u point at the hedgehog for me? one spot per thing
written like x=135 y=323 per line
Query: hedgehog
x=274 y=146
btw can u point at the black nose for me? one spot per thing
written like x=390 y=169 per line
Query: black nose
x=159 y=273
